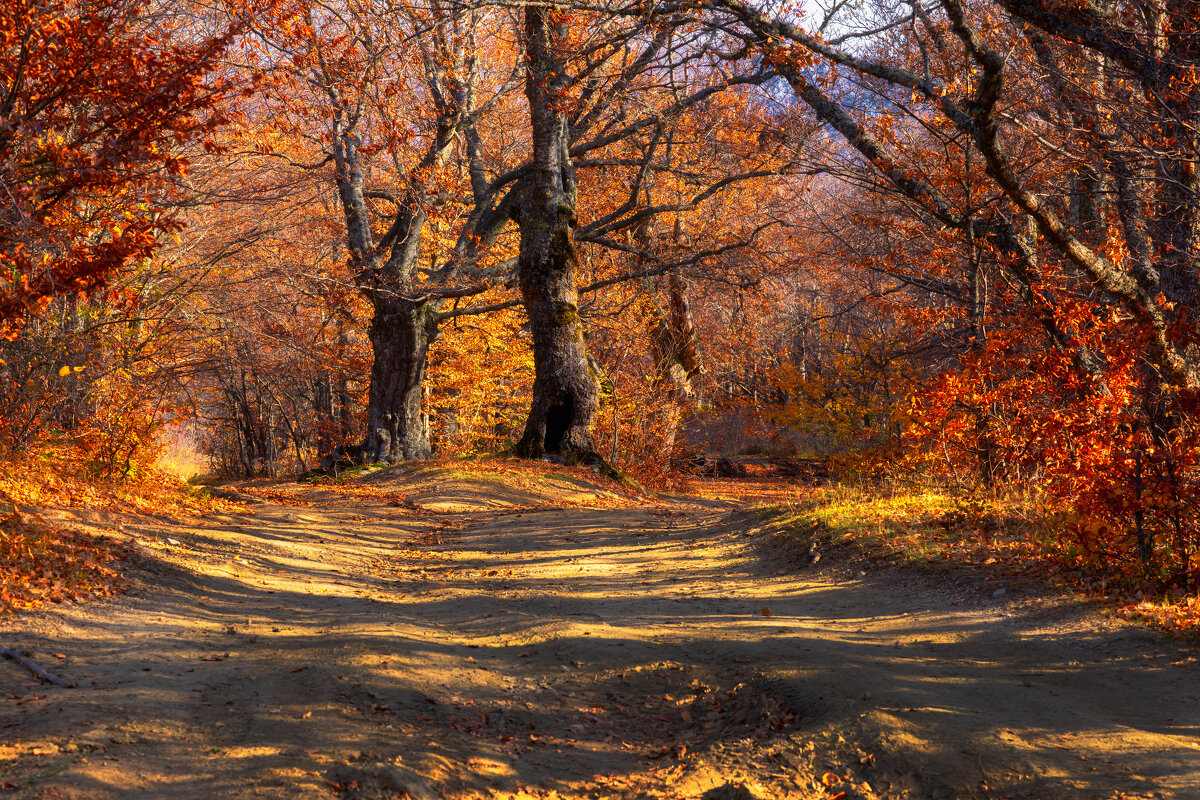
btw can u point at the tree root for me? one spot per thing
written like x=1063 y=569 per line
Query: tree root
x=31 y=665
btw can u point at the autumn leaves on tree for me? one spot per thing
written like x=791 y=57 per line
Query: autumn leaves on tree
x=1103 y=277
x=94 y=105
x=954 y=238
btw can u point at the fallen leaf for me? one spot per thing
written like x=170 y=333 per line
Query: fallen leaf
x=766 y=612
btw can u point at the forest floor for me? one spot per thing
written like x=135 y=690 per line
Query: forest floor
x=489 y=634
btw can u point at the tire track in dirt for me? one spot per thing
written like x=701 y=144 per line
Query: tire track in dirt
x=526 y=644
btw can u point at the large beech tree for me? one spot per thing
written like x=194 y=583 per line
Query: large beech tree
x=605 y=93
x=397 y=118
x=565 y=388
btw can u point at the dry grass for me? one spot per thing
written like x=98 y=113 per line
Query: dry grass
x=1019 y=535
x=181 y=455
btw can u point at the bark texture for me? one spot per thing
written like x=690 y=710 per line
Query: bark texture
x=565 y=389
x=401 y=328
x=401 y=333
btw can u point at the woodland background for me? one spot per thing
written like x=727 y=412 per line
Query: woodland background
x=950 y=247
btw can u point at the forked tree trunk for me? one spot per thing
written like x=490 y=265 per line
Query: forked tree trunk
x=401 y=329
x=400 y=333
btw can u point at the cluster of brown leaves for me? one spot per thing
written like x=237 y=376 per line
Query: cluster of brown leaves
x=42 y=480
x=41 y=563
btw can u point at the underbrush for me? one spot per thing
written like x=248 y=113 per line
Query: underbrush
x=1012 y=536
x=51 y=479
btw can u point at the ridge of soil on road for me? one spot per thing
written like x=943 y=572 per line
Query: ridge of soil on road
x=503 y=633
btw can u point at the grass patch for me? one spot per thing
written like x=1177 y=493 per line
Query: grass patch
x=908 y=528
x=926 y=526
x=1013 y=537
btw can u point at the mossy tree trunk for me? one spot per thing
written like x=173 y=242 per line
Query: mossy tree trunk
x=565 y=389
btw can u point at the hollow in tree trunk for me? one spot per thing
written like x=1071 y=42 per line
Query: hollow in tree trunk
x=565 y=390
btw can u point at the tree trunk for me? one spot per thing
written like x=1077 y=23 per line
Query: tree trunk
x=401 y=332
x=565 y=390
x=401 y=329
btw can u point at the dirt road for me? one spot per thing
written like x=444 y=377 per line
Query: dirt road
x=472 y=637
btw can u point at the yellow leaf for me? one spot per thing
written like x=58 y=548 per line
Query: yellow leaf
x=77 y=369
x=64 y=372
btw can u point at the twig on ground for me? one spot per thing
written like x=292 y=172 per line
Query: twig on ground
x=31 y=665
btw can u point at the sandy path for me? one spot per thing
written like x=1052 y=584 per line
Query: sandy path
x=481 y=651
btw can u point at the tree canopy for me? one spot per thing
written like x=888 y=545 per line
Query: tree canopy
x=953 y=242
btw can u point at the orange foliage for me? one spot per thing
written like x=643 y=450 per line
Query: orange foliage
x=40 y=564
x=480 y=375
x=833 y=316
x=99 y=101
x=43 y=562
x=42 y=481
